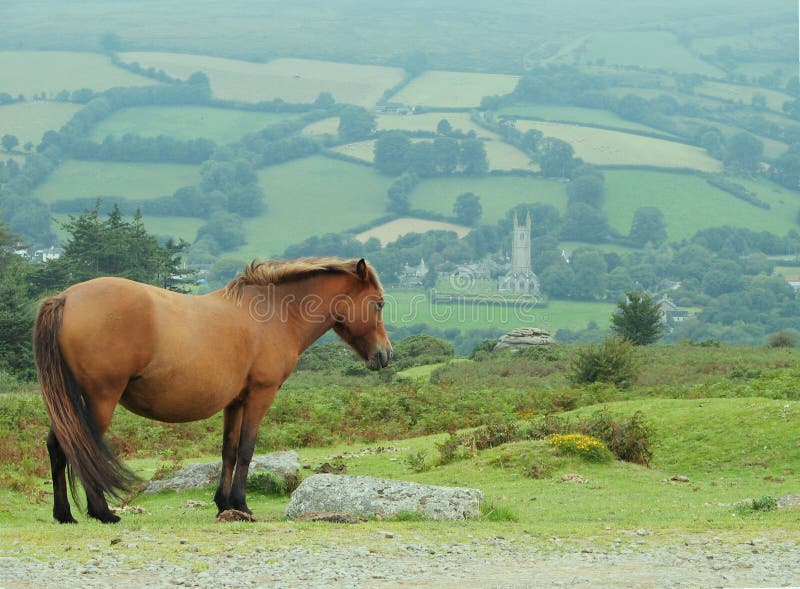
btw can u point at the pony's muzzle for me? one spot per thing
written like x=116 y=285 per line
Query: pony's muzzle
x=380 y=359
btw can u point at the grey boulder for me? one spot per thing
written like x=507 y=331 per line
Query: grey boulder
x=523 y=337
x=386 y=498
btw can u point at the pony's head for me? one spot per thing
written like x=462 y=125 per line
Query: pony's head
x=358 y=319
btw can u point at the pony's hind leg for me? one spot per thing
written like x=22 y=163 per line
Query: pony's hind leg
x=230 y=445
x=101 y=408
x=58 y=467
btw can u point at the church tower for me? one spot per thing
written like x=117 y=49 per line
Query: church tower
x=521 y=247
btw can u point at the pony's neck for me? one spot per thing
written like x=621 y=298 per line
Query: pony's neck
x=307 y=306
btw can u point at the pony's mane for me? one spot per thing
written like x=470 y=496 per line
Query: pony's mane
x=262 y=273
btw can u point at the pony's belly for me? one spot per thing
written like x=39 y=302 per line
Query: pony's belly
x=173 y=404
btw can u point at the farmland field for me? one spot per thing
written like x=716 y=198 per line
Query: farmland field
x=311 y=197
x=185 y=122
x=744 y=94
x=77 y=179
x=363 y=150
x=329 y=126
x=504 y=156
x=388 y=232
x=689 y=203
x=29 y=120
x=34 y=72
x=603 y=147
x=429 y=121
x=498 y=194
x=573 y=114
x=454 y=89
x=649 y=50
x=293 y=80
x=409 y=307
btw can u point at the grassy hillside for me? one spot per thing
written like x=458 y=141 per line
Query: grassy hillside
x=311 y=197
x=29 y=120
x=390 y=231
x=650 y=49
x=574 y=114
x=185 y=122
x=77 y=179
x=34 y=72
x=293 y=80
x=498 y=194
x=689 y=203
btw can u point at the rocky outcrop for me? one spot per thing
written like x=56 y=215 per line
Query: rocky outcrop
x=523 y=337
x=368 y=496
x=200 y=475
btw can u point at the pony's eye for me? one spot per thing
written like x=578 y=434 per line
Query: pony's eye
x=379 y=304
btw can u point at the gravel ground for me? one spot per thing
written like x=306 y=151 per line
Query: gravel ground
x=392 y=562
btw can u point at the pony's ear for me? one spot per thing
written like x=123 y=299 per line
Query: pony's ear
x=361 y=269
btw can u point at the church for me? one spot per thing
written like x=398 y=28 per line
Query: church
x=520 y=277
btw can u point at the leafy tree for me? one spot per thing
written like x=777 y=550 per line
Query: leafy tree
x=467 y=208
x=399 y=192
x=587 y=189
x=648 y=226
x=744 y=151
x=110 y=42
x=557 y=158
x=473 y=157
x=531 y=140
x=226 y=229
x=589 y=268
x=446 y=152
x=9 y=142
x=422 y=159
x=558 y=281
x=638 y=319
x=325 y=100
x=444 y=127
x=786 y=170
x=391 y=153
x=585 y=223
x=356 y=123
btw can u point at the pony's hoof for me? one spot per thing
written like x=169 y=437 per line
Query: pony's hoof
x=66 y=520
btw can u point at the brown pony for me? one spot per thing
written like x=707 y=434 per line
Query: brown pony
x=175 y=358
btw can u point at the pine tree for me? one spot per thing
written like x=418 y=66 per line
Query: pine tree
x=638 y=319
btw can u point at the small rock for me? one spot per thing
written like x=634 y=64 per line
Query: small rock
x=234 y=515
x=679 y=478
x=573 y=478
x=643 y=532
x=386 y=534
x=328 y=468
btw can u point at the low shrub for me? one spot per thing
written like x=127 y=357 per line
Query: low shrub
x=497 y=513
x=786 y=338
x=269 y=483
x=613 y=361
x=586 y=447
x=630 y=440
x=765 y=503
x=415 y=461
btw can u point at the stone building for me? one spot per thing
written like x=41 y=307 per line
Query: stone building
x=520 y=277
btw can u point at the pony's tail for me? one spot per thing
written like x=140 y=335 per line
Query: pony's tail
x=91 y=460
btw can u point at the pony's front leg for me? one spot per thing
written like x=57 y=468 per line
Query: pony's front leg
x=256 y=404
x=230 y=444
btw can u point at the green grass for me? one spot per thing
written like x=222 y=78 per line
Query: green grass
x=689 y=203
x=77 y=179
x=311 y=197
x=454 y=89
x=34 y=72
x=185 y=122
x=604 y=147
x=744 y=94
x=498 y=194
x=573 y=114
x=652 y=49
x=29 y=120
x=293 y=80
x=408 y=307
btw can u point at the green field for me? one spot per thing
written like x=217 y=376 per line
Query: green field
x=78 y=179
x=29 y=120
x=34 y=72
x=573 y=114
x=309 y=197
x=504 y=156
x=185 y=122
x=410 y=307
x=689 y=203
x=498 y=194
x=293 y=80
x=772 y=148
x=454 y=89
x=653 y=49
x=604 y=148
x=744 y=94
